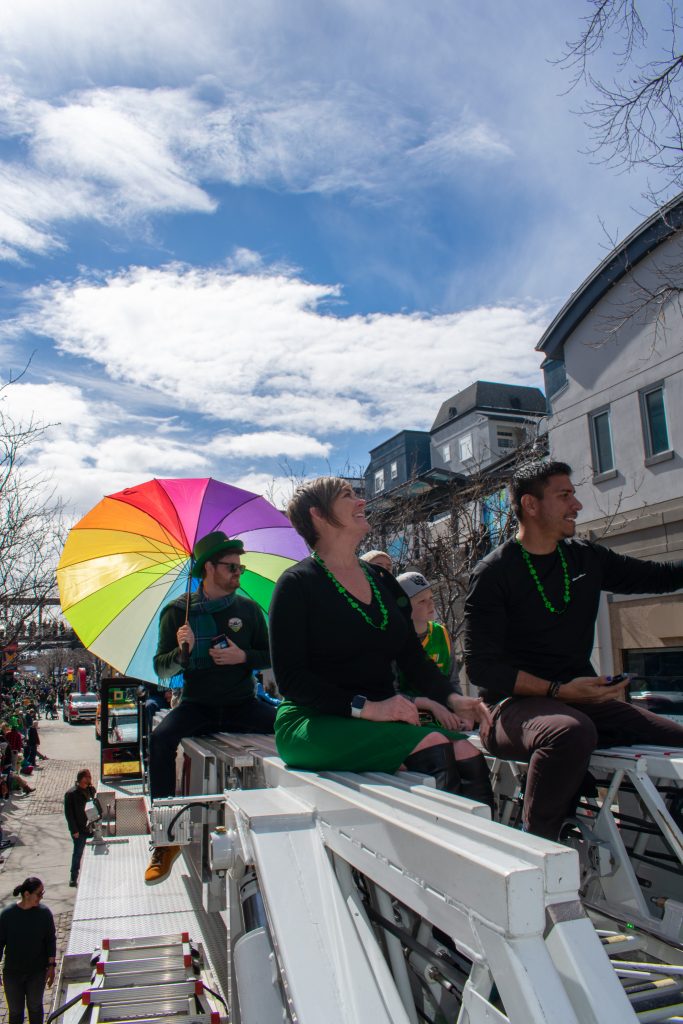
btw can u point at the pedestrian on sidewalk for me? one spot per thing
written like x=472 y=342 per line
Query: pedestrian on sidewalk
x=29 y=943
x=75 y=800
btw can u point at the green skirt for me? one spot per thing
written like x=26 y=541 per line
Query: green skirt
x=309 y=739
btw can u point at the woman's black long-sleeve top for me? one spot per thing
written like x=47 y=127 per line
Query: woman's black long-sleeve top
x=323 y=652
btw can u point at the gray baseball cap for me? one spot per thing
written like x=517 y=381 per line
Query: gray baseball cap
x=413 y=583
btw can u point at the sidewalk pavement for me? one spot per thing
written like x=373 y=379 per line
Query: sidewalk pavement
x=42 y=844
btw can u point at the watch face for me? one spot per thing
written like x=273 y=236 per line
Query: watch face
x=358 y=702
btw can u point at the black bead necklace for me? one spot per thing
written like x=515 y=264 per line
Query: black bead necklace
x=566 y=597
x=351 y=599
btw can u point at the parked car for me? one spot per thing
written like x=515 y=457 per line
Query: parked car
x=80 y=707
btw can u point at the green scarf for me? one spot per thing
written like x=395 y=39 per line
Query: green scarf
x=204 y=626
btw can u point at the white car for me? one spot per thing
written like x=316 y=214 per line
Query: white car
x=80 y=707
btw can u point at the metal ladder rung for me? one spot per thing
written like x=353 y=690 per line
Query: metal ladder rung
x=144 y=993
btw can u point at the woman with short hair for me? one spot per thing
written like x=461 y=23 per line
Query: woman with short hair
x=338 y=628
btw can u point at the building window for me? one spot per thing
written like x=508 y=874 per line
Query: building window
x=601 y=442
x=465 y=447
x=446 y=453
x=379 y=481
x=505 y=438
x=653 y=415
x=393 y=470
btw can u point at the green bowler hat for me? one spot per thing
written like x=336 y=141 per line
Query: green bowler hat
x=213 y=544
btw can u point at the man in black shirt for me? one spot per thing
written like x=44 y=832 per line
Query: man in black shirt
x=75 y=800
x=530 y=619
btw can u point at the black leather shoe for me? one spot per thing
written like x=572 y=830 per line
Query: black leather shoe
x=475 y=781
x=438 y=762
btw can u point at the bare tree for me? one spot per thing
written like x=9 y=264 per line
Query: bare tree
x=445 y=530
x=636 y=117
x=31 y=535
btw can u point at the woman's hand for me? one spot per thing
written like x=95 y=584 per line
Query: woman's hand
x=394 y=709
x=448 y=719
x=471 y=710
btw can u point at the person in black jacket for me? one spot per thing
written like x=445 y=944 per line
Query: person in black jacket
x=530 y=618
x=226 y=639
x=75 y=800
x=29 y=944
x=338 y=627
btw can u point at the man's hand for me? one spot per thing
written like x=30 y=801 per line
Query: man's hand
x=591 y=690
x=230 y=655
x=394 y=709
x=75 y=834
x=50 y=975
x=185 y=636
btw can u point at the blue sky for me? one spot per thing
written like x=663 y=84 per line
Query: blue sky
x=240 y=237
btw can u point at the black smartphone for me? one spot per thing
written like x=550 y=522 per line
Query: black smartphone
x=220 y=641
x=615 y=680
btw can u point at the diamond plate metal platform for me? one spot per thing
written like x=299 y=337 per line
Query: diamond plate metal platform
x=111 y=882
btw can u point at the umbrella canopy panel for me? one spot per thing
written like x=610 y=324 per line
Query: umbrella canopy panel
x=131 y=555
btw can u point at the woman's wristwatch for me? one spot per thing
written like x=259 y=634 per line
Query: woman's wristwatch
x=357 y=705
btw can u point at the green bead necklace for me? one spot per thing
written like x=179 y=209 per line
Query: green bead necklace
x=539 y=586
x=352 y=601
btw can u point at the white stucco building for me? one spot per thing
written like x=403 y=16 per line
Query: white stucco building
x=614 y=382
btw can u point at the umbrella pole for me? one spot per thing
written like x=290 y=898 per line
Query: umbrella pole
x=185 y=648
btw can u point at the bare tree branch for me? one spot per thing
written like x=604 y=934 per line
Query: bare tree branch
x=637 y=117
x=32 y=532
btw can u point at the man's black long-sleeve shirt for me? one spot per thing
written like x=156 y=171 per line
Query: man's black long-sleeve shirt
x=508 y=628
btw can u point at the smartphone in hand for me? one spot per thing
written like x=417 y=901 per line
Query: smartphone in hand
x=220 y=641
x=615 y=680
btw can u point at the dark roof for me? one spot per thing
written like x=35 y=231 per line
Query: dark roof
x=651 y=233
x=403 y=436
x=490 y=397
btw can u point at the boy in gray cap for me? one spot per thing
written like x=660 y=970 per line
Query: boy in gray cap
x=433 y=636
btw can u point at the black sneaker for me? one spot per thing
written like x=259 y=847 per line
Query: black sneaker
x=73 y=883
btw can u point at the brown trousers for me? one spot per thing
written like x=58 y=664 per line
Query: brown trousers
x=557 y=740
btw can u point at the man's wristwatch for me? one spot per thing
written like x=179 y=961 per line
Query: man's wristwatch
x=357 y=705
x=554 y=688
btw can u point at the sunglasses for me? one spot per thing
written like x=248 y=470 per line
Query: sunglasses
x=234 y=567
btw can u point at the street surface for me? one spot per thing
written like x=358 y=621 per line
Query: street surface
x=42 y=844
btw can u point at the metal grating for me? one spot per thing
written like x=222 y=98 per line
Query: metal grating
x=131 y=816
x=113 y=901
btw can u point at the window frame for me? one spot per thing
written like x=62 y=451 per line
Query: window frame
x=379 y=484
x=652 y=456
x=393 y=470
x=466 y=438
x=599 y=472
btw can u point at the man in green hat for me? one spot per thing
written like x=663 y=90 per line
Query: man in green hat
x=226 y=639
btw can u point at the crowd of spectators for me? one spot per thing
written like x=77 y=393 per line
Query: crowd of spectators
x=21 y=707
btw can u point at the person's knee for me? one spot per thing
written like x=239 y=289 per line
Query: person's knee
x=433 y=739
x=575 y=737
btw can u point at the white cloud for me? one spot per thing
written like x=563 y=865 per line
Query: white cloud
x=268 y=443
x=258 y=349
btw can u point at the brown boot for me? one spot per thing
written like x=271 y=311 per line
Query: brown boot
x=159 y=867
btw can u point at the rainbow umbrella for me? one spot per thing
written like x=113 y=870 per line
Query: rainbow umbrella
x=131 y=555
